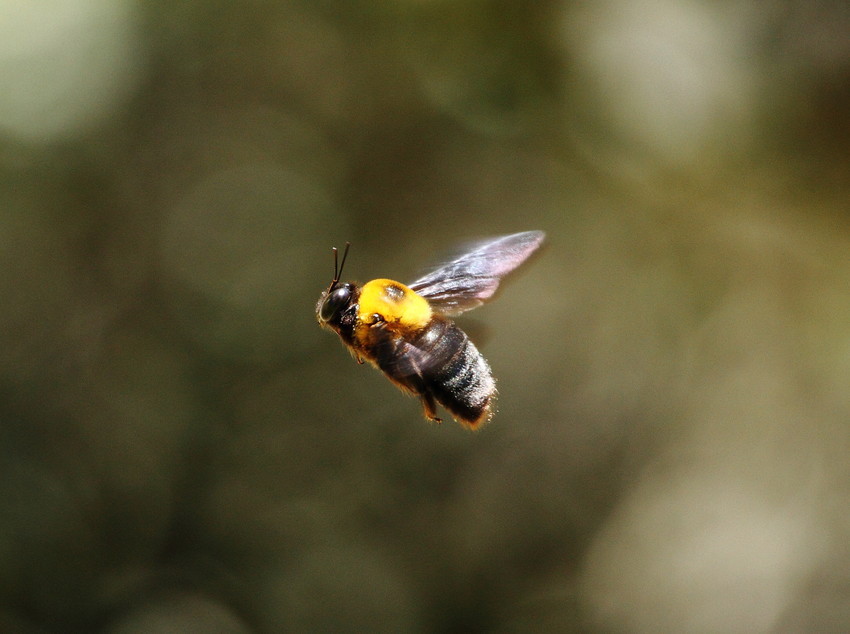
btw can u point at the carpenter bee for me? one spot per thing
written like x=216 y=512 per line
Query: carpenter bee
x=405 y=331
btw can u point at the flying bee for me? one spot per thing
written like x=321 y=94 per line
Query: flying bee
x=405 y=331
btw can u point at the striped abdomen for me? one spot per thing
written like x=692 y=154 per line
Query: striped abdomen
x=457 y=375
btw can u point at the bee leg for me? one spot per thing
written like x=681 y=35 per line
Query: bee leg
x=430 y=408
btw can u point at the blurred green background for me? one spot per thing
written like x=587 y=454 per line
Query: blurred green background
x=183 y=449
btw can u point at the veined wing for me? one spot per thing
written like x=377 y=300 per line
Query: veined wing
x=473 y=278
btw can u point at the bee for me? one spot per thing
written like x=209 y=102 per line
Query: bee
x=406 y=331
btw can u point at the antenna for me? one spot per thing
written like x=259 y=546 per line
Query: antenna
x=338 y=269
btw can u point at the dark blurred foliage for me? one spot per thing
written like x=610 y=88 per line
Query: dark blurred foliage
x=183 y=449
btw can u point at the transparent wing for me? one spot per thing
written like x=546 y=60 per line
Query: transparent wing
x=403 y=357
x=404 y=361
x=472 y=279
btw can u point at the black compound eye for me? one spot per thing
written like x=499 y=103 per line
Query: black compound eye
x=335 y=302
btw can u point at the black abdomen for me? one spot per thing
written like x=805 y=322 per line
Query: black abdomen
x=458 y=377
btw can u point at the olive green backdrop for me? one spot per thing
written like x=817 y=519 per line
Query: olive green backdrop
x=183 y=449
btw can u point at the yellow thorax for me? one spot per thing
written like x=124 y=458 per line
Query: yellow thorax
x=395 y=302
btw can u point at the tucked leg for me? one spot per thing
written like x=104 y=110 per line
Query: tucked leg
x=430 y=407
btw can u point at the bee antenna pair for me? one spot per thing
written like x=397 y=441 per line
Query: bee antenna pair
x=338 y=269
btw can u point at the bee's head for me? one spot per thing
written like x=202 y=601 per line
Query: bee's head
x=338 y=296
x=333 y=302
